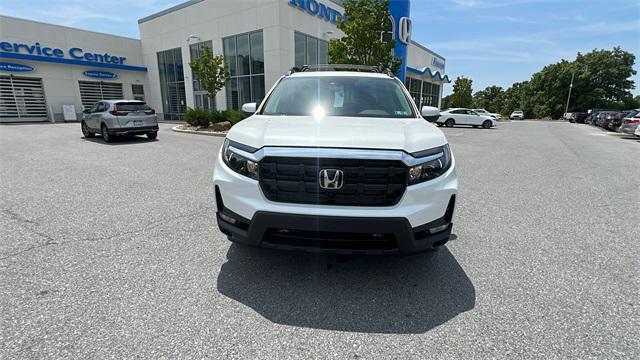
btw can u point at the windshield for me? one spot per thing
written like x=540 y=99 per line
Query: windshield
x=339 y=96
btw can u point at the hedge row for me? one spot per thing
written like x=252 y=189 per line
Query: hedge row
x=204 y=118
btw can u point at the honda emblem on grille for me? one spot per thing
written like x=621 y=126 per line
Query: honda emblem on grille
x=331 y=179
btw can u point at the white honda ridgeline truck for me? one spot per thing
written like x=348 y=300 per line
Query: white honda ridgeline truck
x=340 y=162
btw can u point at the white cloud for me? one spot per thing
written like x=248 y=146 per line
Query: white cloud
x=466 y=3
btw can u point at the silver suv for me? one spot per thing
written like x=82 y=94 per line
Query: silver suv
x=113 y=118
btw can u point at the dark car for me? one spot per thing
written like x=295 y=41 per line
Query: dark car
x=593 y=117
x=602 y=116
x=580 y=117
x=616 y=119
x=608 y=119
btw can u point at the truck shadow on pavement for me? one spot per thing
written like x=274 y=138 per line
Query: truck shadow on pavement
x=395 y=295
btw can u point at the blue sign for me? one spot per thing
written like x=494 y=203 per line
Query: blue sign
x=437 y=63
x=12 y=67
x=74 y=56
x=400 y=11
x=316 y=8
x=100 y=74
x=74 y=53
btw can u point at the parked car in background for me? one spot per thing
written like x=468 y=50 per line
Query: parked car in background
x=570 y=117
x=461 y=116
x=608 y=119
x=111 y=118
x=630 y=122
x=485 y=112
x=602 y=116
x=517 y=114
x=616 y=120
x=581 y=117
x=590 y=119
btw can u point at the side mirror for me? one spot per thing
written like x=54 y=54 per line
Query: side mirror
x=86 y=111
x=249 y=108
x=430 y=113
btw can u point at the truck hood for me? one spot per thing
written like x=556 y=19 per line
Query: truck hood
x=410 y=135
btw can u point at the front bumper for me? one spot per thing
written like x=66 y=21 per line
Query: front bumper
x=332 y=234
x=132 y=130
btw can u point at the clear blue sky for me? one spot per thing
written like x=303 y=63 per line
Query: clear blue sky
x=491 y=41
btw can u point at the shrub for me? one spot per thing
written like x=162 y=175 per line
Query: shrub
x=216 y=116
x=233 y=116
x=197 y=117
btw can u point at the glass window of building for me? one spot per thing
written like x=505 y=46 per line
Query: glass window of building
x=244 y=54
x=174 y=100
x=430 y=94
x=413 y=85
x=201 y=98
x=423 y=93
x=310 y=50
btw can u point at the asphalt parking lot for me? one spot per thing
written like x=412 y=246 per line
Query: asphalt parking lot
x=111 y=250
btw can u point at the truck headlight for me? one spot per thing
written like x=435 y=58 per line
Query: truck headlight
x=438 y=164
x=237 y=162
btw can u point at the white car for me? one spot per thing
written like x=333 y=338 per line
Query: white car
x=485 y=112
x=336 y=161
x=517 y=115
x=462 y=116
x=637 y=133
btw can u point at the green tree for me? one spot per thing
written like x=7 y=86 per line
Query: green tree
x=446 y=102
x=211 y=70
x=601 y=79
x=462 y=92
x=363 y=23
x=515 y=98
x=488 y=98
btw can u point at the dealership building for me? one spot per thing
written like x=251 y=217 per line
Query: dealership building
x=50 y=72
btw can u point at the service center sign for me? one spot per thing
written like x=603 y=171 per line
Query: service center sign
x=74 y=53
x=12 y=67
x=99 y=74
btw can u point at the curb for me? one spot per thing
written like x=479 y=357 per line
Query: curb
x=207 y=133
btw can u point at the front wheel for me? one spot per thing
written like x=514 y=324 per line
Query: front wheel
x=486 y=125
x=449 y=123
x=152 y=135
x=105 y=134
x=86 y=132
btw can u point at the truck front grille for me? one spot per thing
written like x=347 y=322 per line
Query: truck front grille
x=366 y=182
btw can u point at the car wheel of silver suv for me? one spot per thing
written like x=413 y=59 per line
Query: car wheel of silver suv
x=105 y=133
x=86 y=132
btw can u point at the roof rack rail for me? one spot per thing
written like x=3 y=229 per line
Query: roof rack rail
x=342 y=67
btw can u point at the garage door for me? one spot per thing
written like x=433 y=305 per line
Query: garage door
x=94 y=91
x=22 y=99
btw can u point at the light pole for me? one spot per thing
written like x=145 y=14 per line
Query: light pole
x=573 y=74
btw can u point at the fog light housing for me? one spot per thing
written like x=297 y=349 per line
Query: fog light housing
x=228 y=218
x=438 y=229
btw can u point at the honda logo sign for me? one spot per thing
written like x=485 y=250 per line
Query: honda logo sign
x=331 y=179
x=404 y=30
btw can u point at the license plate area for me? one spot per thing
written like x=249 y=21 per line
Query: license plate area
x=138 y=122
